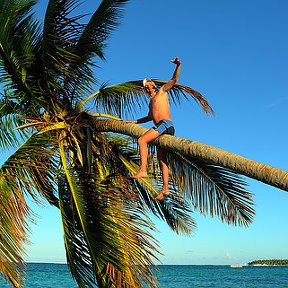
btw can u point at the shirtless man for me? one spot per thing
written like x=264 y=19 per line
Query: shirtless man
x=159 y=112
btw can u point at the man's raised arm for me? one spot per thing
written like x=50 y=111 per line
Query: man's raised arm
x=175 y=76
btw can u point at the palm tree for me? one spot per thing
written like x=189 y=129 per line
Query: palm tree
x=65 y=154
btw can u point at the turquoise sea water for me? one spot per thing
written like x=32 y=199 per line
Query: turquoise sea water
x=58 y=276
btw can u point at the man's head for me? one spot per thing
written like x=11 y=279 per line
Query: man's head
x=149 y=85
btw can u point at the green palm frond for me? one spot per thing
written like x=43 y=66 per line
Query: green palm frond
x=60 y=32
x=14 y=214
x=118 y=99
x=119 y=250
x=16 y=47
x=177 y=215
x=91 y=43
x=130 y=237
x=9 y=120
x=33 y=168
x=53 y=51
x=77 y=252
x=174 y=212
x=7 y=106
x=80 y=199
x=105 y=20
x=212 y=189
x=9 y=138
x=122 y=99
x=178 y=91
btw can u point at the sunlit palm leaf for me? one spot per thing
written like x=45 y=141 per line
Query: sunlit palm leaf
x=178 y=91
x=60 y=32
x=135 y=242
x=127 y=216
x=213 y=190
x=121 y=99
x=107 y=224
x=173 y=211
x=16 y=46
x=9 y=120
x=91 y=43
x=78 y=256
x=7 y=106
x=13 y=230
x=177 y=215
x=130 y=238
x=83 y=201
x=52 y=126
x=8 y=136
x=33 y=167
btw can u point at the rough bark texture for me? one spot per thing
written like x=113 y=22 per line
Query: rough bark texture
x=250 y=168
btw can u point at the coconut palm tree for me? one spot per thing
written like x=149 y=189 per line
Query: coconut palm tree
x=64 y=152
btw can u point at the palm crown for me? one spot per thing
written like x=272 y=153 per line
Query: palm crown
x=47 y=71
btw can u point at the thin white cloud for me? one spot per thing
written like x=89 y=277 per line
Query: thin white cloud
x=276 y=103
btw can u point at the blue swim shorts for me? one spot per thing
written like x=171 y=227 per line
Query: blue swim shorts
x=165 y=127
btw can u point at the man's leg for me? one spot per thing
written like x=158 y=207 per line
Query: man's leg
x=143 y=141
x=162 y=158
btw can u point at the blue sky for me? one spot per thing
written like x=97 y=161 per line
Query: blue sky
x=235 y=53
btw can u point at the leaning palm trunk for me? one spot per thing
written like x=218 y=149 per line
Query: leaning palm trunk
x=250 y=168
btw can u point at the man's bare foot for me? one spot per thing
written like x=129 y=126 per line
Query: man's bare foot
x=162 y=194
x=140 y=174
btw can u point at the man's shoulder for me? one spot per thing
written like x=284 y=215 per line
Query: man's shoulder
x=162 y=91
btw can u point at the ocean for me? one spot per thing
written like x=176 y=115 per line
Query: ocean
x=44 y=275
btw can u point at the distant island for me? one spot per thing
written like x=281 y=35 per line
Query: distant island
x=273 y=262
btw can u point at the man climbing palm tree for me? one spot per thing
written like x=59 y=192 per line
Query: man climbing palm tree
x=159 y=112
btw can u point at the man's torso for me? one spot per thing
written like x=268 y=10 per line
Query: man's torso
x=159 y=107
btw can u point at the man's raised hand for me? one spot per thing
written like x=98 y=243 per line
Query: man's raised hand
x=176 y=61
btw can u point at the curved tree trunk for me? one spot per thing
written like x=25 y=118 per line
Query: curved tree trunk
x=250 y=168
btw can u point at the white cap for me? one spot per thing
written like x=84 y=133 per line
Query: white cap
x=145 y=80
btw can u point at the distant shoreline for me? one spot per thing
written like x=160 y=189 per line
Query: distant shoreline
x=272 y=262
x=266 y=265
